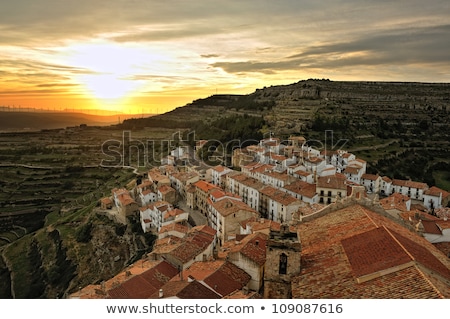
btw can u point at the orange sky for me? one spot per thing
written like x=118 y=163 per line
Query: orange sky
x=148 y=56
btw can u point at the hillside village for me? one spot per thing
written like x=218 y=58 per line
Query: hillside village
x=287 y=221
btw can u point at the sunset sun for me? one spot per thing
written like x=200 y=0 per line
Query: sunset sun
x=110 y=70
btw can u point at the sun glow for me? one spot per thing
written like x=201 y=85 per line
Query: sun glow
x=109 y=70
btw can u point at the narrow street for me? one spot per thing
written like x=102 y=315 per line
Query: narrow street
x=197 y=217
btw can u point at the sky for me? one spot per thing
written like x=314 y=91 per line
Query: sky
x=150 y=56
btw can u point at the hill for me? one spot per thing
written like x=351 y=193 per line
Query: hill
x=402 y=129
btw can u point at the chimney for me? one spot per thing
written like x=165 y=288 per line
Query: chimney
x=161 y=293
x=204 y=257
x=245 y=290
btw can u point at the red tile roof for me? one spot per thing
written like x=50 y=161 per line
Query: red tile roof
x=164 y=189
x=193 y=244
x=352 y=169
x=373 y=251
x=229 y=206
x=258 y=224
x=436 y=191
x=371 y=177
x=186 y=290
x=408 y=183
x=302 y=188
x=227 y=279
x=174 y=227
x=337 y=181
x=280 y=196
x=145 y=284
x=395 y=201
x=205 y=186
x=221 y=276
x=251 y=246
x=355 y=242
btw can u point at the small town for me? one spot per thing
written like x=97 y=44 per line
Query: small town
x=285 y=220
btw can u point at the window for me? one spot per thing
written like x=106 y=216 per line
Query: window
x=282 y=269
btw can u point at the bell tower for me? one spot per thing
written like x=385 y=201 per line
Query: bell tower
x=283 y=255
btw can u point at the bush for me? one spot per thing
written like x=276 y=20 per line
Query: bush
x=83 y=235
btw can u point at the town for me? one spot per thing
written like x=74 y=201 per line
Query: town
x=285 y=220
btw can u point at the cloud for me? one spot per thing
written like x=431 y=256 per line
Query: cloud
x=199 y=43
x=427 y=45
x=208 y=56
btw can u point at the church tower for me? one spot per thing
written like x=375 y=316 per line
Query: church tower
x=283 y=255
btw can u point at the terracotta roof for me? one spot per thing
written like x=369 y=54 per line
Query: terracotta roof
x=278 y=157
x=205 y=229
x=258 y=224
x=371 y=177
x=174 y=227
x=302 y=188
x=252 y=246
x=185 y=176
x=106 y=200
x=126 y=199
x=227 y=279
x=408 y=183
x=145 y=284
x=347 y=155
x=164 y=189
x=302 y=173
x=186 y=290
x=436 y=191
x=218 y=194
x=261 y=168
x=219 y=168
x=352 y=169
x=221 y=276
x=281 y=176
x=156 y=176
x=374 y=251
x=248 y=181
x=354 y=252
x=145 y=184
x=395 y=201
x=205 y=186
x=279 y=196
x=386 y=179
x=229 y=206
x=193 y=244
x=414 y=216
x=146 y=192
x=174 y=212
x=431 y=227
x=337 y=181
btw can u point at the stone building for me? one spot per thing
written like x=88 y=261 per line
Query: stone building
x=283 y=255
